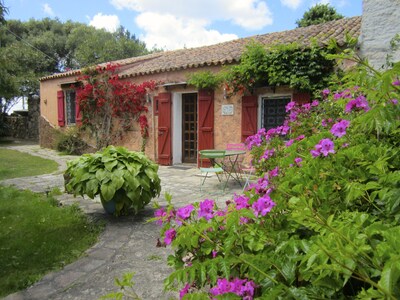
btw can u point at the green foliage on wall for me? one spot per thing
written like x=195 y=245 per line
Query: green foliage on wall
x=294 y=65
x=205 y=80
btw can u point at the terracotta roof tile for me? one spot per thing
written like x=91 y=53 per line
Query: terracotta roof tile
x=229 y=52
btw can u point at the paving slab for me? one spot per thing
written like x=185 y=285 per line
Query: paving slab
x=128 y=244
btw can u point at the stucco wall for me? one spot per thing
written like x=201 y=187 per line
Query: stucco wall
x=380 y=23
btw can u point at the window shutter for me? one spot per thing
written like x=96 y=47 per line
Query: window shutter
x=249 y=116
x=205 y=122
x=61 y=108
x=78 y=113
x=301 y=98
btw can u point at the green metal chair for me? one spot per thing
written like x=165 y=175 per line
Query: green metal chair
x=216 y=168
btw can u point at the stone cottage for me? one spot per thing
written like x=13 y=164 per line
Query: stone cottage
x=184 y=120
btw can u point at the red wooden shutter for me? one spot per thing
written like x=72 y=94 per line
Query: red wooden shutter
x=78 y=113
x=301 y=98
x=249 y=116
x=61 y=109
x=164 y=129
x=206 y=121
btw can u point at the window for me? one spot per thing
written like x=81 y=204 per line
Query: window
x=273 y=111
x=70 y=106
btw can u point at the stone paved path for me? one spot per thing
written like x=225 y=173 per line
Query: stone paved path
x=127 y=244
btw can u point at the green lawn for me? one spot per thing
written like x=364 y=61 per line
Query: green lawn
x=15 y=164
x=37 y=236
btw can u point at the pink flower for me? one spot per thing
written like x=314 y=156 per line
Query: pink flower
x=241 y=287
x=289 y=143
x=263 y=206
x=324 y=147
x=184 y=212
x=214 y=253
x=339 y=129
x=170 y=235
x=396 y=82
x=184 y=291
x=223 y=287
x=274 y=172
x=326 y=92
x=315 y=103
x=359 y=103
x=241 y=202
x=298 y=161
x=206 y=209
x=306 y=107
x=160 y=214
x=268 y=153
x=290 y=106
x=300 y=137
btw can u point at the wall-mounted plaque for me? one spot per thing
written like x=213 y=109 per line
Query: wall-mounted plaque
x=227 y=110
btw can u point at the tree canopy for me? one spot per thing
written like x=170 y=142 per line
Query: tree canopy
x=318 y=14
x=36 y=48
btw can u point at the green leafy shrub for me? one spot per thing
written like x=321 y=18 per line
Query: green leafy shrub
x=205 y=80
x=70 y=142
x=128 y=178
x=322 y=221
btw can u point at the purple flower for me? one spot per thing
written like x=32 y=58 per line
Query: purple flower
x=323 y=123
x=206 y=209
x=324 y=147
x=298 y=161
x=263 y=205
x=184 y=212
x=268 y=153
x=300 y=137
x=214 y=253
x=184 y=291
x=359 y=103
x=394 y=101
x=241 y=202
x=223 y=287
x=339 y=129
x=337 y=96
x=306 y=107
x=293 y=116
x=160 y=214
x=345 y=145
x=396 y=82
x=326 y=92
x=315 y=103
x=243 y=220
x=274 y=172
x=170 y=235
x=289 y=143
x=290 y=106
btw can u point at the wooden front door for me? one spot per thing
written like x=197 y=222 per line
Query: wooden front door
x=164 y=129
x=189 y=128
x=206 y=121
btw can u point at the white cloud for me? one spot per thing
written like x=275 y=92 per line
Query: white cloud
x=107 y=22
x=293 y=4
x=178 y=23
x=48 y=10
x=249 y=14
x=170 y=32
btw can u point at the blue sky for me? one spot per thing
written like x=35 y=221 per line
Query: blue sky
x=176 y=24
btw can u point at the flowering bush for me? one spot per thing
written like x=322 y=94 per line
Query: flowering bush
x=105 y=97
x=322 y=221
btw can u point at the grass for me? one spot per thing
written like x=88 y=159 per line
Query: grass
x=14 y=164
x=37 y=236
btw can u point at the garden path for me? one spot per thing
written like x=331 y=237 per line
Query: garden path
x=128 y=244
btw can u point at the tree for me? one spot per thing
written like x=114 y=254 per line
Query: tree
x=318 y=14
x=3 y=11
x=36 y=48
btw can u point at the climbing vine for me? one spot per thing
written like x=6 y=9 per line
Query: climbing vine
x=106 y=100
x=294 y=65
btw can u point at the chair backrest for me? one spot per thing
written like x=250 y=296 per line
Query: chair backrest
x=238 y=146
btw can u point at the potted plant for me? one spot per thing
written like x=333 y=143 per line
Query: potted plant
x=125 y=180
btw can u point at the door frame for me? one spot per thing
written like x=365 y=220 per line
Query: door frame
x=183 y=125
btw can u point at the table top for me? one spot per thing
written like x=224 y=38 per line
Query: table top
x=231 y=152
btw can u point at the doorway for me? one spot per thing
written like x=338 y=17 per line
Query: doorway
x=189 y=128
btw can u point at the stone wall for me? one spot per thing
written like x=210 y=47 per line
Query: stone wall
x=48 y=134
x=380 y=23
x=25 y=124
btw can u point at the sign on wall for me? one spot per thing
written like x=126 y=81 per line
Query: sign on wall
x=227 y=110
